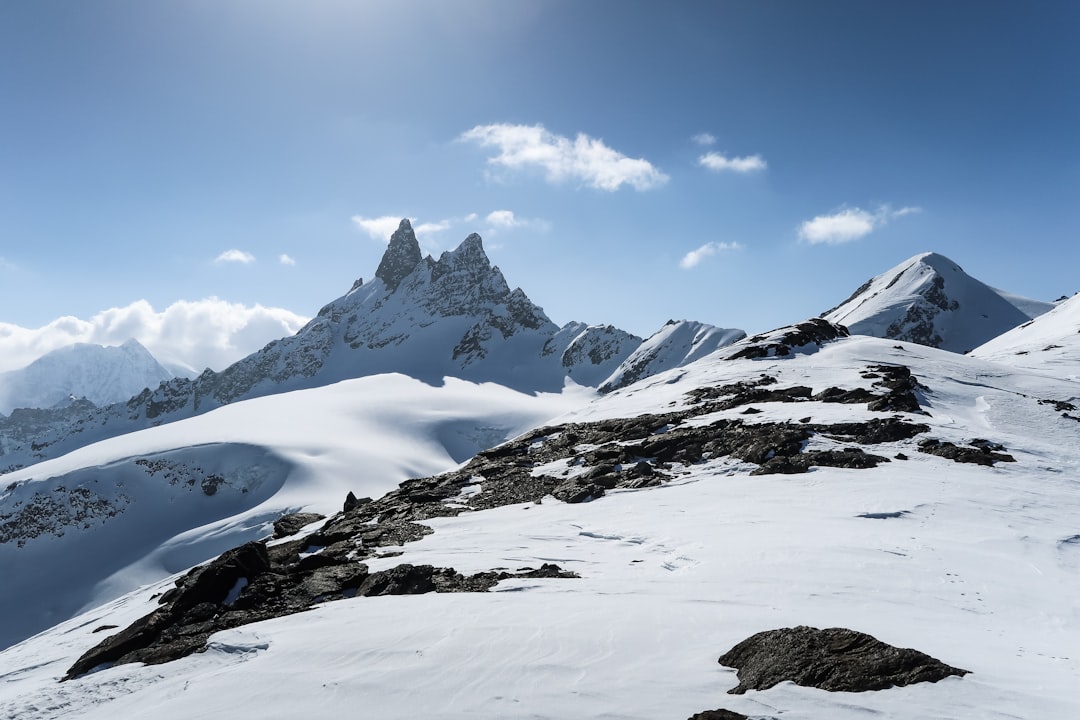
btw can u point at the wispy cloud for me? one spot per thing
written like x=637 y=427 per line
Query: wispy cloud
x=694 y=257
x=379 y=228
x=721 y=163
x=286 y=260
x=585 y=159
x=235 y=256
x=191 y=334
x=849 y=224
x=507 y=220
x=704 y=139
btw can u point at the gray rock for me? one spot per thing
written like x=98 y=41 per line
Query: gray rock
x=834 y=659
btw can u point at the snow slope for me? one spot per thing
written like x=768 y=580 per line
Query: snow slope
x=104 y=519
x=1050 y=343
x=100 y=374
x=975 y=565
x=930 y=300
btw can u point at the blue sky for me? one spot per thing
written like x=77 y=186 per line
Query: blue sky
x=746 y=164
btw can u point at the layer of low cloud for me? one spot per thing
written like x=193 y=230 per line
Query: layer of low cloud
x=193 y=335
x=719 y=162
x=235 y=256
x=704 y=139
x=694 y=257
x=848 y=224
x=584 y=159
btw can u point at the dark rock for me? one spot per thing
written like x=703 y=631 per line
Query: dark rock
x=401 y=257
x=780 y=342
x=211 y=483
x=834 y=659
x=352 y=502
x=982 y=454
x=293 y=523
x=720 y=714
x=576 y=491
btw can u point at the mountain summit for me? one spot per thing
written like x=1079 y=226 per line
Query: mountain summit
x=930 y=300
x=401 y=256
x=101 y=374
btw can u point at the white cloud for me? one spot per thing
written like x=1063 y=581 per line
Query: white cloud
x=503 y=219
x=380 y=228
x=720 y=163
x=195 y=334
x=235 y=256
x=470 y=217
x=584 y=158
x=286 y=260
x=704 y=139
x=430 y=228
x=849 y=224
x=692 y=258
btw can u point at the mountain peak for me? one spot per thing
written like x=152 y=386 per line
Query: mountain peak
x=401 y=256
x=930 y=300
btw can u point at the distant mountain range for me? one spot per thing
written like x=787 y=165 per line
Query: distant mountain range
x=100 y=374
x=426 y=318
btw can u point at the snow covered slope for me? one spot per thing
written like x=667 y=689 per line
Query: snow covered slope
x=672 y=346
x=930 y=300
x=800 y=477
x=426 y=318
x=1050 y=343
x=104 y=519
x=100 y=374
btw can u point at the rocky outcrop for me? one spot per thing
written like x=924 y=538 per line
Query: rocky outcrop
x=806 y=336
x=834 y=659
x=401 y=256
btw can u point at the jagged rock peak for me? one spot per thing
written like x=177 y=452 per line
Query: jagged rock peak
x=401 y=256
x=468 y=255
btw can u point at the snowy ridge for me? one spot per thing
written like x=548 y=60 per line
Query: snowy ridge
x=930 y=300
x=672 y=346
x=1050 y=343
x=102 y=375
x=973 y=562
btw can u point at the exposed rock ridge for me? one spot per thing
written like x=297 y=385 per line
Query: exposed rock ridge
x=401 y=256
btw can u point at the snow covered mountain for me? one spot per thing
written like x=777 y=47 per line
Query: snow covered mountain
x=672 y=346
x=1050 y=343
x=102 y=375
x=594 y=567
x=426 y=318
x=930 y=300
